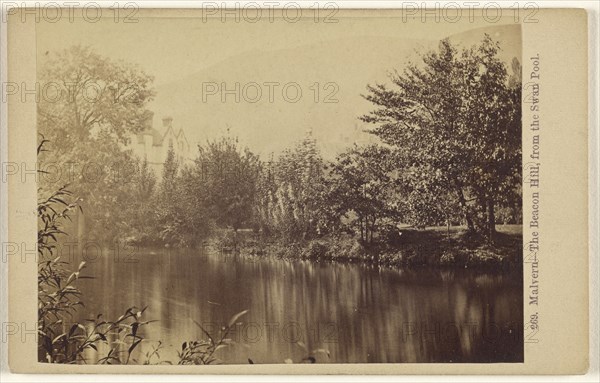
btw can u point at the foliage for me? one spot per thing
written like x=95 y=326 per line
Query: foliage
x=217 y=191
x=179 y=217
x=170 y=219
x=93 y=102
x=293 y=194
x=141 y=212
x=455 y=122
x=59 y=298
x=227 y=175
x=363 y=183
x=203 y=351
x=449 y=124
x=426 y=202
x=88 y=93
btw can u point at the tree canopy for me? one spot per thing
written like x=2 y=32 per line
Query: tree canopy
x=454 y=121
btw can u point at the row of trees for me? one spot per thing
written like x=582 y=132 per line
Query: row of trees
x=449 y=153
x=297 y=196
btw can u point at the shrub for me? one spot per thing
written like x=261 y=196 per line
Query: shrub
x=314 y=250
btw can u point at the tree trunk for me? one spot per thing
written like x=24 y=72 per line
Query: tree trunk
x=491 y=219
x=362 y=236
x=463 y=204
x=372 y=229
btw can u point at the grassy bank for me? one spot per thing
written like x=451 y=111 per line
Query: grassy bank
x=410 y=247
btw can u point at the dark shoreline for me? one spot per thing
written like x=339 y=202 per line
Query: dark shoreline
x=431 y=248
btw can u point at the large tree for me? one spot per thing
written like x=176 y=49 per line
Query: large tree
x=454 y=120
x=85 y=93
x=89 y=107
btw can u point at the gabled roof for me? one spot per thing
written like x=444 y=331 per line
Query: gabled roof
x=158 y=137
x=182 y=135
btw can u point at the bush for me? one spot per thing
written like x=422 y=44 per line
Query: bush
x=447 y=258
x=483 y=257
x=345 y=248
x=314 y=250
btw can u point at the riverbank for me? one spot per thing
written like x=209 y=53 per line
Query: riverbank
x=435 y=247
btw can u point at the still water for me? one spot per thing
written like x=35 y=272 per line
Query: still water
x=357 y=313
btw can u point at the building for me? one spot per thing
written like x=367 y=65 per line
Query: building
x=153 y=144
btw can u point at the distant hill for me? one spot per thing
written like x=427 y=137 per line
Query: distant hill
x=267 y=127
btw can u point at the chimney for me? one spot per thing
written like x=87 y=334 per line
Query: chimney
x=167 y=121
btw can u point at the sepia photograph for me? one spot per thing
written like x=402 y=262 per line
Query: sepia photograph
x=322 y=187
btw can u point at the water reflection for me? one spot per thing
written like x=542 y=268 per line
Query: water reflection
x=357 y=313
